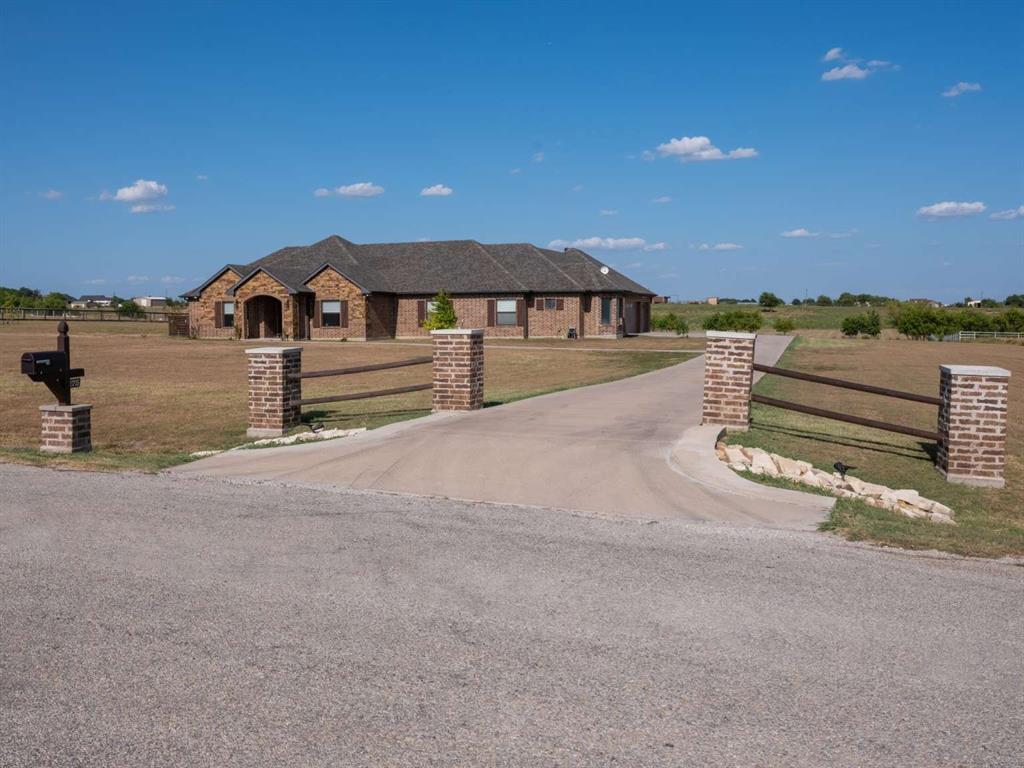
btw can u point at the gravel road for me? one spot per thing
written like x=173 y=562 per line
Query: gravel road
x=163 y=621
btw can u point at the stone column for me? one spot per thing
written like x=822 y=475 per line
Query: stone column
x=273 y=393
x=66 y=428
x=458 y=369
x=728 y=377
x=972 y=424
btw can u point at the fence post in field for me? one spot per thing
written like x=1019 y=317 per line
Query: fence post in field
x=273 y=392
x=458 y=369
x=972 y=424
x=728 y=378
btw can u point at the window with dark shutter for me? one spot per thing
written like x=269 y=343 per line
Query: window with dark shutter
x=521 y=312
x=330 y=313
x=538 y=305
x=344 y=314
x=492 y=313
x=218 y=314
x=421 y=311
x=559 y=303
x=317 y=312
x=227 y=313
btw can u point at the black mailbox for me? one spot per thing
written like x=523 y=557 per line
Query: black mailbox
x=43 y=366
x=53 y=368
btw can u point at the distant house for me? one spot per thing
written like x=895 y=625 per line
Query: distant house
x=337 y=289
x=712 y=300
x=660 y=299
x=973 y=303
x=84 y=302
x=150 y=301
x=925 y=302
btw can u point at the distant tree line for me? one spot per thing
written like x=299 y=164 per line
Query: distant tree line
x=30 y=298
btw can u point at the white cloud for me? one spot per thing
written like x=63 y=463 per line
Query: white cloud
x=136 y=279
x=438 y=190
x=662 y=200
x=142 y=189
x=695 y=149
x=846 y=72
x=1008 y=215
x=171 y=280
x=833 y=54
x=359 y=189
x=946 y=210
x=578 y=188
x=151 y=208
x=719 y=247
x=659 y=246
x=538 y=157
x=955 y=90
x=843 y=235
x=800 y=232
x=51 y=194
x=608 y=212
x=95 y=281
x=601 y=243
x=201 y=177
x=515 y=171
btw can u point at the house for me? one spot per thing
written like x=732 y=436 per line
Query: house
x=925 y=302
x=337 y=289
x=661 y=299
x=712 y=300
x=150 y=301
x=83 y=302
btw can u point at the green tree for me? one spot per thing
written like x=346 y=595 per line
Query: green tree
x=796 y=302
x=824 y=301
x=130 y=309
x=769 y=300
x=442 y=313
x=1015 y=300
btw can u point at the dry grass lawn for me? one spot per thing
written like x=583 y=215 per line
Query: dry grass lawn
x=991 y=522
x=158 y=398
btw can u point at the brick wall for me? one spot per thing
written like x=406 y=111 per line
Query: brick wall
x=381 y=316
x=272 y=391
x=553 y=322
x=329 y=285
x=972 y=424
x=728 y=377
x=458 y=369
x=66 y=428
x=202 y=311
x=263 y=284
x=591 y=324
x=471 y=311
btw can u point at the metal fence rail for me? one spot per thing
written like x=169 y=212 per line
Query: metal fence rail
x=850 y=419
x=423 y=360
x=973 y=335
x=844 y=384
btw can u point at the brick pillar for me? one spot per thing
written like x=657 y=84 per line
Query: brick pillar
x=458 y=369
x=728 y=377
x=66 y=428
x=972 y=424
x=272 y=391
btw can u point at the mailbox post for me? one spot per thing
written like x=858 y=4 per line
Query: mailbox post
x=66 y=428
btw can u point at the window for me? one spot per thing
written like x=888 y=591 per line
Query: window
x=330 y=314
x=506 y=312
x=431 y=308
x=606 y=310
x=229 y=314
x=550 y=303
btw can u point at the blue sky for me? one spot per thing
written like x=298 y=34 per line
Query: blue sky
x=677 y=143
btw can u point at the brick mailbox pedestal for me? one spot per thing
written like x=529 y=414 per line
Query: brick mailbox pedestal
x=728 y=378
x=66 y=428
x=458 y=369
x=972 y=424
x=272 y=391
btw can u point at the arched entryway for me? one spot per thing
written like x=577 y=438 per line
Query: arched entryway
x=263 y=316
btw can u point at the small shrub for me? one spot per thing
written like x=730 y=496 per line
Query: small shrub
x=869 y=324
x=443 y=315
x=784 y=324
x=670 y=322
x=130 y=309
x=735 y=320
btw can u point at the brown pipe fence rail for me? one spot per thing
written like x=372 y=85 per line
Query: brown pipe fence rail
x=424 y=360
x=846 y=417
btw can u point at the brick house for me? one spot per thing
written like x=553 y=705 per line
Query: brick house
x=336 y=289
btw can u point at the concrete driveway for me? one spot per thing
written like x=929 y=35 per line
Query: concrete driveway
x=606 y=449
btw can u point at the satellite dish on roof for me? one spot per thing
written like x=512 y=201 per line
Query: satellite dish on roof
x=604 y=270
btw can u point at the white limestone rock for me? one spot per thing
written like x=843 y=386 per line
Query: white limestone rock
x=734 y=455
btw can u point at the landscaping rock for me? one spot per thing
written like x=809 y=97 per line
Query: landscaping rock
x=902 y=501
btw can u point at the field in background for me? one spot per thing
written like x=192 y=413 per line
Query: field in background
x=804 y=317
x=991 y=522
x=158 y=398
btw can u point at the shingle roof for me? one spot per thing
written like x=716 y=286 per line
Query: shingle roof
x=456 y=266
